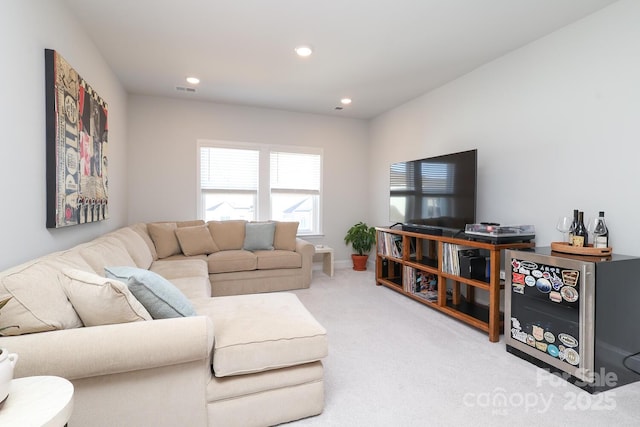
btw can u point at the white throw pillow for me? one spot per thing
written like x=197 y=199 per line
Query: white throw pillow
x=39 y=302
x=102 y=301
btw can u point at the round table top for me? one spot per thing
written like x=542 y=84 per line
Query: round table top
x=38 y=401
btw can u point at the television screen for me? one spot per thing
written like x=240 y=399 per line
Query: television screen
x=436 y=192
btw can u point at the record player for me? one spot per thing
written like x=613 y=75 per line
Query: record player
x=497 y=234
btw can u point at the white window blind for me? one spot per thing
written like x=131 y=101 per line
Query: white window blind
x=295 y=171
x=228 y=168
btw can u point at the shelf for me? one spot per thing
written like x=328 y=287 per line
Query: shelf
x=422 y=266
x=398 y=288
x=476 y=283
x=471 y=311
x=391 y=282
x=391 y=258
x=412 y=248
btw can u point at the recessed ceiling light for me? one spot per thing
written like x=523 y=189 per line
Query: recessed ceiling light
x=345 y=101
x=304 y=51
x=193 y=80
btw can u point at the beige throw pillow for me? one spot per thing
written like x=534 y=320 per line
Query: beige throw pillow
x=38 y=302
x=196 y=240
x=102 y=301
x=228 y=235
x=285 y=235
x=190 y=223
x=164 y=238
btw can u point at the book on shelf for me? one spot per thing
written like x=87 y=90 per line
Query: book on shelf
x=390 y=244
x=451 y=258
x=420 y=283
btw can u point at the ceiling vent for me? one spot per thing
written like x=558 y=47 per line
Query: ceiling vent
x=185 y=89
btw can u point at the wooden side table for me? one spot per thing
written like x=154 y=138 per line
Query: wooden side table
x=38 y=401
x=327 y=259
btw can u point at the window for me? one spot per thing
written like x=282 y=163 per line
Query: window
x=229 y=183
x=260 y=182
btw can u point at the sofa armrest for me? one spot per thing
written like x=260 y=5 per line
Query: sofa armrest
x=109 y=349
x=307 y=250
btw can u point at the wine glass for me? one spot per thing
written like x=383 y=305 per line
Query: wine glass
x=564 y=225
x=592 y=228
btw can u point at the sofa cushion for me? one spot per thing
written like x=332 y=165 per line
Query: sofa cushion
x=159 y=296
x=180 y=267
x=70 y=258
x=260 y=332
x=190 y=275
x=228 y=234
x=182 y=257
x=196 y=240
x=232 y=260
x=269 y=260
x=164 y=238
x=143 y=231
x=135 y=246
x=102 y=301
x=259 y=236
x=193 y=287
x=39 y=302
x=228 y=388
x=285 y=235
x=105 y=251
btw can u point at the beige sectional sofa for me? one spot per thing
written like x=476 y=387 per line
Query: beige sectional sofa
x=280 y=263
x=242 y=360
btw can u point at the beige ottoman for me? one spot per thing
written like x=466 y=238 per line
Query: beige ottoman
x=266 y=360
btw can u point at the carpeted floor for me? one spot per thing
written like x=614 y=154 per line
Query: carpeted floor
x=395 y=362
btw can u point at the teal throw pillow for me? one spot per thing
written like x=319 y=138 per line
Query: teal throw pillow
x=159 y=296
x=259 y=236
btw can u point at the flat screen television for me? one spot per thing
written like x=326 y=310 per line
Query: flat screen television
x=436 y=192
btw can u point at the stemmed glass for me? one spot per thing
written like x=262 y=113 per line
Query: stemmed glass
x=564 y=225
x=591 y=228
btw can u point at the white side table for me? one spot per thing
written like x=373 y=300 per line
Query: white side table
x=38 y=401
x=327 y=259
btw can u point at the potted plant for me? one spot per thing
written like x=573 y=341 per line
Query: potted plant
x=362 y=238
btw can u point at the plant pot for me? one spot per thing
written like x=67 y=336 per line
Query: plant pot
x=7 y=363
x=359 y=262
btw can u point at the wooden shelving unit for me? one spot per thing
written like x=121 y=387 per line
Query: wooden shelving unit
x=433 y=256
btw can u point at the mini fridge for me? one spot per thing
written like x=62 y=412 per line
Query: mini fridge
x=576 y=316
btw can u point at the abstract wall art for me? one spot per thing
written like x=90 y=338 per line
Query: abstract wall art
x=76 y=147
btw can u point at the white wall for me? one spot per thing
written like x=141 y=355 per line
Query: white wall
x=556 y=124
x=27 y=27
x=163 y=136
x=528 y=113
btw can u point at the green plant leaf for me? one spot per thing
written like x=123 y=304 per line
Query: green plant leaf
x=361 y=237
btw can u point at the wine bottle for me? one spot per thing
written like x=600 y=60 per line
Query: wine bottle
x=573 y=227
x=601 y=233
x=580 y=235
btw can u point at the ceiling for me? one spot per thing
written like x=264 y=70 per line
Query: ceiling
x=380 y=53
